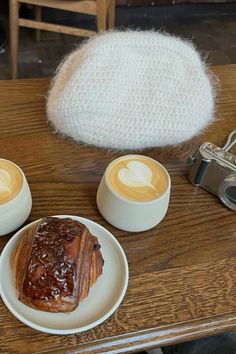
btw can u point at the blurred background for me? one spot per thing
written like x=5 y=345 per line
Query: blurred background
x=211 y=25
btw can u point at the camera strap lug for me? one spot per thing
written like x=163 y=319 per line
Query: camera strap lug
x=231 y=141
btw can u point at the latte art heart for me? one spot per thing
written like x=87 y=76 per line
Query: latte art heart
x=5 y=181
x=137 y=174
x=11 y=181
x=137 y=178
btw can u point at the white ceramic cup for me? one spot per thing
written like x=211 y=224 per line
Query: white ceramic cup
x=130 y=215
x=14 y=212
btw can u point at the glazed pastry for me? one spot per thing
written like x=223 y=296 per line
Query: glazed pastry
x=55 y=264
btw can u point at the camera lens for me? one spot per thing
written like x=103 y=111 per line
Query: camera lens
x=227 y=192
x=230 y=193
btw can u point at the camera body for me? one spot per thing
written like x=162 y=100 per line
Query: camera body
x=214 y=169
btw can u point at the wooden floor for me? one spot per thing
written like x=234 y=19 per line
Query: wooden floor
x=211 y=27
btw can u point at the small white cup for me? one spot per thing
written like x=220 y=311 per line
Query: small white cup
x=15 y=212
x=129 y=215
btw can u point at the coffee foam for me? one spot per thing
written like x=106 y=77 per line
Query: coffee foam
x=137 y=178
x=11 y=181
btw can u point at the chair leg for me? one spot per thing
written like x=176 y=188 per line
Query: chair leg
x=111 y=14
x=14 y=35
x=38 y=17
x=101 y=15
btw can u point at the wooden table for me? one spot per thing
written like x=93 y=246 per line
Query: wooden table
x=182 y=273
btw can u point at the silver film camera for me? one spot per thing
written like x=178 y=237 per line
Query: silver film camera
x=214 y=169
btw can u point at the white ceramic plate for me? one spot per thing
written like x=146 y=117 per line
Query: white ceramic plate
x=104 y=297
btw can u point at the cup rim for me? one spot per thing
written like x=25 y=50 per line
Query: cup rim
x=23 y=183
x=152 y=201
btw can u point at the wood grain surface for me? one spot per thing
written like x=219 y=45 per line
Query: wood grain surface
x=182 y=273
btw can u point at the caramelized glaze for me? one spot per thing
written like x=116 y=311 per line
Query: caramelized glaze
x=58 y=268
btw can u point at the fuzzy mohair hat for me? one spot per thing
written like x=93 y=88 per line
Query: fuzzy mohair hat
x=131 y=90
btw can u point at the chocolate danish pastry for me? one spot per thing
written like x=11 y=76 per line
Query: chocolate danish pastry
x=55 y=264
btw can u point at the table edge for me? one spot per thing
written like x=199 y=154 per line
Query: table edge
x=153 y=338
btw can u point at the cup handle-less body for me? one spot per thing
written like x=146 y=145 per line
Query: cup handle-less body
x=15 y=212
x=128 y=215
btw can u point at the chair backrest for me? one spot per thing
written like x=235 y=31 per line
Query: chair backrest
x=104 y=10
x=84 y=6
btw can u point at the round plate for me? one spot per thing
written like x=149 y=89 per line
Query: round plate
x=104 y=297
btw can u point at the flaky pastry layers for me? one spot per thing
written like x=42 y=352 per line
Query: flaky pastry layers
x=55 y=263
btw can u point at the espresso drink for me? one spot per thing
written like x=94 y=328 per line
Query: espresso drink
x=137 y=178
x=11 y=181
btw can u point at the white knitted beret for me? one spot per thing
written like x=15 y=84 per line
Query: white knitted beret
x=131 y=90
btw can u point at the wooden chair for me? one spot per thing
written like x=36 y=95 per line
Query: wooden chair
x=104 y=10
